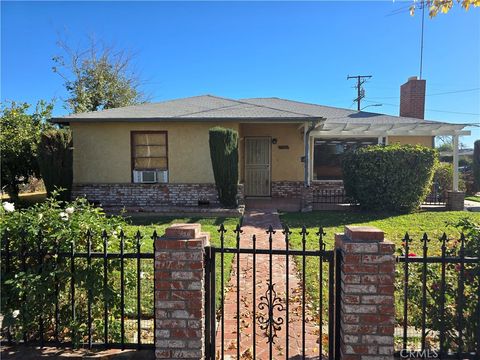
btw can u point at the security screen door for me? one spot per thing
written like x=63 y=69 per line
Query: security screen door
x=257 y=166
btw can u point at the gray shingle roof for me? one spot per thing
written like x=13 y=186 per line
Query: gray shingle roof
x=331 y=114
x=211 y=108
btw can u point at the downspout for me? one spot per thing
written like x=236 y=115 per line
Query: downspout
x=455 y=162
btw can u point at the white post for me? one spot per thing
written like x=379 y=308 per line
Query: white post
x=455 y=162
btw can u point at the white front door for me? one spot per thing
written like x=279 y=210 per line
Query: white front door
x=257 y=166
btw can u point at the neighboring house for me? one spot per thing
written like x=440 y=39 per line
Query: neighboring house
x=154 y=155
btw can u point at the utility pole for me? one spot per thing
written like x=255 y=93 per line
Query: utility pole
x=421 y=42
x=361 y=79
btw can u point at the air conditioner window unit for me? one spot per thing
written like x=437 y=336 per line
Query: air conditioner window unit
x=150 y=176
x=162 y=176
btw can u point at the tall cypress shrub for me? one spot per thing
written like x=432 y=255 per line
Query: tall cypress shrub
x=476 y=165
x=224 y=154
x=55 y=159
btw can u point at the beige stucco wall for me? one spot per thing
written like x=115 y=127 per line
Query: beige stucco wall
x=102 y=151
x=414 y=140
x=286 y=164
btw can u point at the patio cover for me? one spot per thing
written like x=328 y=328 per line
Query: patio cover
x=325 y=128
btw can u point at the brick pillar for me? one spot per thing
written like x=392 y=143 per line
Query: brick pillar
x=455 y=200
x=367 y=286
x=179 y=292
x=307 y=199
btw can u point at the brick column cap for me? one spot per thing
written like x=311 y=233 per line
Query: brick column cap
x=364 y=233
x=182 y=232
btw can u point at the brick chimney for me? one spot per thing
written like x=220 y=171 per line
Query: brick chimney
x=412 y=98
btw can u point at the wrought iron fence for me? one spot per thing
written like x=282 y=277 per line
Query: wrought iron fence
x=79 y=297
x=440 y=314
x=271 y=310
x=435 y=196
x=339 y=196
x=331 y=196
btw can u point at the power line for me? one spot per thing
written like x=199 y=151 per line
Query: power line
x=408 y=8
x=433 y=110
x=361 y=79
x=435 y=94
x=400 y=10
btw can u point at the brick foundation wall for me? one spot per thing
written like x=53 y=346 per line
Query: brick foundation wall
x=295 y=189
x=147 y=195
x=326 y=185
x=287 y=189
x=367 y=294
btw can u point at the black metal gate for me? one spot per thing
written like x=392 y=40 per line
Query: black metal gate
x=441 y=300
x=272 y=311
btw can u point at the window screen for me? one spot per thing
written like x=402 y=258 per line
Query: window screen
x=149 y=150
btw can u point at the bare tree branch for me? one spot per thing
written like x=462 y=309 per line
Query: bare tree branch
x=97 y=76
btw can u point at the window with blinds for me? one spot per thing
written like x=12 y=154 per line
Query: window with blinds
x=149 y=150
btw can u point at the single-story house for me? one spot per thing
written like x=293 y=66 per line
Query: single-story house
x=155 y=155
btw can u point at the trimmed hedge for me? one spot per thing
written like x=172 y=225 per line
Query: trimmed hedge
x=389 y=178
x=224 y=154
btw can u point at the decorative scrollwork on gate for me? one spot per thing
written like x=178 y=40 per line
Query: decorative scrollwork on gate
x=270 y=324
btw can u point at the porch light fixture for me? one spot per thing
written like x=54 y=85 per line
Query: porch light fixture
x=274 y=141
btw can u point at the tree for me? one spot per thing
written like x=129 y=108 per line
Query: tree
x=443 y=6
x=224 y=154
x=446 y=143
x=18 y=142
x=55 y=158
x=98 y=77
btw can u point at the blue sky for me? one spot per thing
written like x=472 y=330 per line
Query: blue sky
x=295 y=50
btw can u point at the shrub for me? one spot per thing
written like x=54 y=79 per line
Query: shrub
x=29 y=289
x=55 y=159
x=476 y=165
x=451 y=295
x=443 y=179
x=224 y=154
x=18 y=143
x=389 y=178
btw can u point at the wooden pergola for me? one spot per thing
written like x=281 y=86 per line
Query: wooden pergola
x=382 y=131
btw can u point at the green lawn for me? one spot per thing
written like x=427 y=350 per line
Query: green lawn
x=394 y=226
x=475 y=198
x=432 y=222
x=148 y=223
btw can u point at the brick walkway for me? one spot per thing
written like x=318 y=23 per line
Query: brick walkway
x=256 y=222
